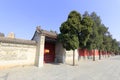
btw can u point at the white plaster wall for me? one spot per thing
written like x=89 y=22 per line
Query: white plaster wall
x=40 y=39
x=59 y=53
x=64 y=56
x=41 y=45
x=16 y=55
x=69 y=57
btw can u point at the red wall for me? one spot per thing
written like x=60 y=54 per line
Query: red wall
x=85 y=52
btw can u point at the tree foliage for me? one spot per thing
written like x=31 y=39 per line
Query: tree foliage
x=69 y=31
x=86 y=30
x=70 y=42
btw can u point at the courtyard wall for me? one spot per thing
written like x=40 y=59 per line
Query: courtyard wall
x=16 y=52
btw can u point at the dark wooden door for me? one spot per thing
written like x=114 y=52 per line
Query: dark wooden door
x=49 y=52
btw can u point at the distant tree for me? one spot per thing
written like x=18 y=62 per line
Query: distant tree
x=115 y=46
x=86 y=30
x=85 y=14
x=93 y=41
x=101 y=32
x=119 y=47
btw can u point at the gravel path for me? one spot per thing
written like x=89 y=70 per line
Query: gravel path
x=107 y=69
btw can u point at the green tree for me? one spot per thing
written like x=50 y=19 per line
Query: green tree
x=69 y=32
x=101 y=32
x=115 y=46
x=94 y=40
x=86 y=30
x=85 y=14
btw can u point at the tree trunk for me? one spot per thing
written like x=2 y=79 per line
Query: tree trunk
x=99 y=55
x=105 y=54
x=94 y=55
x=88 y=55
x=108 y=53
x=73 y=57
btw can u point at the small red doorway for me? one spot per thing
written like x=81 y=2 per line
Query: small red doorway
x=49 y=52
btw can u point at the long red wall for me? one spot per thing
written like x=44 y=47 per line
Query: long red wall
x=85 y=52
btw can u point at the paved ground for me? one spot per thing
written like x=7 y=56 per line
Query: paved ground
x=107 y=69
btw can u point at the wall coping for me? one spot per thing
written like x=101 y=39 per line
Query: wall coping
x=17 y=41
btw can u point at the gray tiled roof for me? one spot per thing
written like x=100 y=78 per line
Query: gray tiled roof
x=46 y=33
x=17 y=41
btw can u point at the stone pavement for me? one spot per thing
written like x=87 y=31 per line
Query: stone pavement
x=107 y=69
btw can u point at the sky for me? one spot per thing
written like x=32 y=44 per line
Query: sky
x=23 y=16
